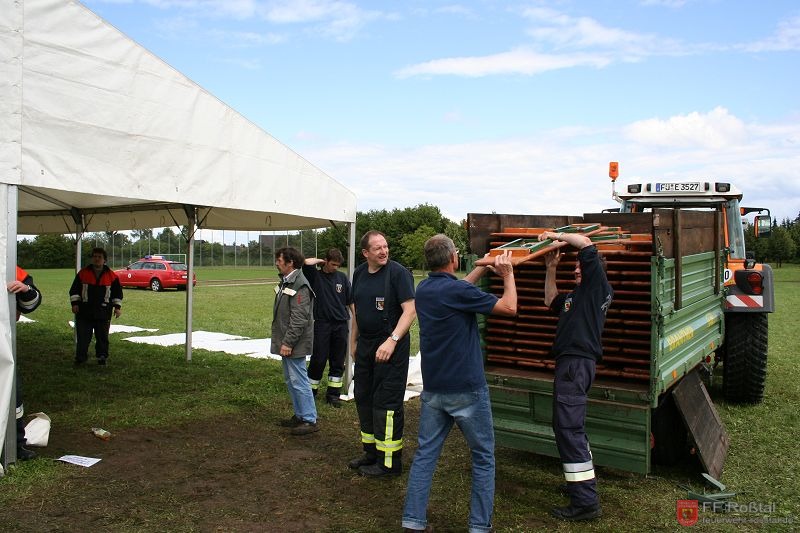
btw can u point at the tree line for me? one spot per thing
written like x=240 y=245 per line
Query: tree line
x=406 y=231
x=782 y=244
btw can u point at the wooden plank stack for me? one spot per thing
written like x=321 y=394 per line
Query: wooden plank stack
x=525 y=340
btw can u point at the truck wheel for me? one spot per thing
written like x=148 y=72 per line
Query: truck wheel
x=669 y=433
x=744 y=369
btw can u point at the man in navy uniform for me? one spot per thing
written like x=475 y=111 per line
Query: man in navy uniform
x=383 y=296
x=577 y=348
x=333 y=308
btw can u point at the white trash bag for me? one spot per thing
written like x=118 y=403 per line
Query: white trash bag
x=37 y=431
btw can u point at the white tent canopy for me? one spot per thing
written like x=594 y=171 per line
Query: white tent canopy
x=98 y=134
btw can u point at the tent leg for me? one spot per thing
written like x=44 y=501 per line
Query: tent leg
x=351 y=266
x=192 y=217
x=8 y=352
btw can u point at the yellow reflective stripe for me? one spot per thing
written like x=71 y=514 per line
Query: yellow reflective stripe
x=332 y=383
x=388 y=445
x=367 y=438
x=389 y=433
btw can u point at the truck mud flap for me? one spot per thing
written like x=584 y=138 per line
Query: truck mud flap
x=703 y=422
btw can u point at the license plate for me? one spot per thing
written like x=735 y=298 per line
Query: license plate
x=678 y=187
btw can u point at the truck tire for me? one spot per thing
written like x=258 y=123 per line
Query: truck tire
x=744 y=369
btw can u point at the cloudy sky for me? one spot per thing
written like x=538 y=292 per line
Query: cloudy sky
x=513 y=107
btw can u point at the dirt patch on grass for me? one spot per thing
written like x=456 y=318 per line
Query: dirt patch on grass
x=231 y=474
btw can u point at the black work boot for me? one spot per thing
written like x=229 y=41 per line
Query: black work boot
x=368 y=458
x=24 y=454
x=376 y=470
x=575 y=513
x=361 y=460
x=333 y=400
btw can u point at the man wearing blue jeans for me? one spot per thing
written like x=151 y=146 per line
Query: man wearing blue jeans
x=293 y=337
x=454 y=385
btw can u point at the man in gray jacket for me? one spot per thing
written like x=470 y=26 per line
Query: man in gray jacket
x=293 y=337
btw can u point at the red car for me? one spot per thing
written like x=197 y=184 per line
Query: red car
x=155 y=272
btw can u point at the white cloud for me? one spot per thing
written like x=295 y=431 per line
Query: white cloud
x=241 y=39
x=565 y=171
x=239 y=9
x=785 y=39
x=519 y=61
x=456 y=9
x=559 y=41
x=334 y=19
x=716 y=129
x=664 y=3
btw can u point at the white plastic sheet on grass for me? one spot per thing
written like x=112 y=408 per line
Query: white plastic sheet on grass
x=259 y=348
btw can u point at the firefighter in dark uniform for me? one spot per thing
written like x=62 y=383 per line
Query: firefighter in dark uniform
x=332 y=310
x=95 y=294
x=577 y=348
x=383 y=296
x=28 y=299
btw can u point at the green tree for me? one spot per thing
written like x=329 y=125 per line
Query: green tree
x=781 y=245
x=52 y=251
x=413 y=243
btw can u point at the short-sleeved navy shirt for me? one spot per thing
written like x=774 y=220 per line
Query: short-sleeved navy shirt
x=369 y=296
x=449 y=339
x=582 y=312
x=333 y=294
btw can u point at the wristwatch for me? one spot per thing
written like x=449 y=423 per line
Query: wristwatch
x=395 y=337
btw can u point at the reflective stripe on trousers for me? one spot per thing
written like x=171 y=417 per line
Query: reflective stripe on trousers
x=389 y=446
x=579 y=471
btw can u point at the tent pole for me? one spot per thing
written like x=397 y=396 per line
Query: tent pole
x=9 y=448
x=191 y=215
x=351 y=266
x=79 y=220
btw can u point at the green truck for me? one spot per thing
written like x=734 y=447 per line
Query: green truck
x=677 y=263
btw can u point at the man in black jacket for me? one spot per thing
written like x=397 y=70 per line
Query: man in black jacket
x=95 y=294
x=577 y=348
x=333 y=308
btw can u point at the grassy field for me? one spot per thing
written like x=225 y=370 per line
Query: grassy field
x=154 y=390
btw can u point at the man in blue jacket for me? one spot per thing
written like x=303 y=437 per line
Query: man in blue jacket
x=454 y=389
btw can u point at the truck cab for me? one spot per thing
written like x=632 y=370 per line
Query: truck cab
x=749 y=286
